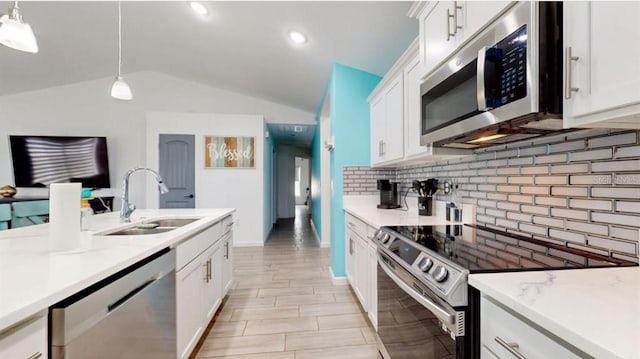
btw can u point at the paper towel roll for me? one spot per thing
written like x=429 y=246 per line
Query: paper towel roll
x=64 y=216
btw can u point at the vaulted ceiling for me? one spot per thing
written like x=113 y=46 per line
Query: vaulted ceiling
x=240 y=46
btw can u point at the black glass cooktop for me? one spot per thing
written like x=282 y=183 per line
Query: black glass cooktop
x=481 y=249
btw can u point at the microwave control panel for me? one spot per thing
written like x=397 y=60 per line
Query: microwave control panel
x=512 y=67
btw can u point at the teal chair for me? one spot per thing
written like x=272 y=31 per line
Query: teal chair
x=29 y=213
x=5 y=216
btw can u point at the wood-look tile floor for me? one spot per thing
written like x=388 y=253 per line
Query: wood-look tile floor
x=283 y=304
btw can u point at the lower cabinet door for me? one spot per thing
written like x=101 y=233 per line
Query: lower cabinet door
x=361 y=277
x=350 y=253
x=27 y=340
x=189 y=304
x=372 y=273
x=212 y=281
x=227 y=270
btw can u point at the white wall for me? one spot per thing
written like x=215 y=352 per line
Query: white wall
x=304 y=183
x=85 y=109
x=285 y=177
x=242 y=189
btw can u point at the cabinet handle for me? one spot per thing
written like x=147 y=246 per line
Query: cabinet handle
x=35 y=356
x=230 y=224
x=456 y=27
x=380 y=148
x=351 y=224
x=568 y=59
x=449 y=16
x=209 y=272
x=350 y=245
x=226 y=250
x=510 y=347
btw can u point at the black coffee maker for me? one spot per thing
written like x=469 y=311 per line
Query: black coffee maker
x=388 y=194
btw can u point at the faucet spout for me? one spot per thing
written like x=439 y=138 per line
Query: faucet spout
x=128 y=208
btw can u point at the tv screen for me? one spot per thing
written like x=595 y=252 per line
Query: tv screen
x=41 y=160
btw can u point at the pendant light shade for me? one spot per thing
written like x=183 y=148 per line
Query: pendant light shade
x=15 y=33
x=120 y=89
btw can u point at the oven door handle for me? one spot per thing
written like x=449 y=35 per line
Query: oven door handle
x=438 y=311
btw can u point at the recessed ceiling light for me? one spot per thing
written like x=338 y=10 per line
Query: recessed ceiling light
x=198 y=8
x=297 y=37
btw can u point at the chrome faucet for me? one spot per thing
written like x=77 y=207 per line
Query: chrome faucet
x=128 y=208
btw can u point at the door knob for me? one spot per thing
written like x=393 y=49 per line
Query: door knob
x=189 y=196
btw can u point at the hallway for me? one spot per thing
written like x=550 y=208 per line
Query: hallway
x=283 y=304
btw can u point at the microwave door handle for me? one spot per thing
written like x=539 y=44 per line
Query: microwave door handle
x=480 y=83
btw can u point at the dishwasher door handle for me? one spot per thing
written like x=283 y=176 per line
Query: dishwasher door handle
x=113 y=306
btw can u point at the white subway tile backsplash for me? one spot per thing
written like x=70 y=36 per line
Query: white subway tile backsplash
x=624 y=206
x=616 y=192
x=535 y=209
x=590 y=180
x=614 y=140
x=633 y=151
x=625 y=220
x=550 y=201
x=541 y=180
x=551 y=222
x=551 y=159
x=616 y=166
x=632 y=234
x=593 y=155
x=570 y=191
x=567 y=236
x=534 y=190
x=535 y=170
x=570 y=213
x=572 y=185
x=590 y=204
x=575 y=168
x=626 y=179
x=588 y=227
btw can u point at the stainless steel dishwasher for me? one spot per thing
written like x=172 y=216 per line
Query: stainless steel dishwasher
x=131 y=314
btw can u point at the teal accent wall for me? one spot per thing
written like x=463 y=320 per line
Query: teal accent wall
x=347 y=90
x=350 y=126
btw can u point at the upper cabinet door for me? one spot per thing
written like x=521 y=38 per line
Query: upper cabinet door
x=412 y=76
x=602 y=63
x=393 y=143
x=478 y=14
x=378 y=127
x=438 y=33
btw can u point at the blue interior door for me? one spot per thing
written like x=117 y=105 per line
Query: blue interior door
x=177 y=168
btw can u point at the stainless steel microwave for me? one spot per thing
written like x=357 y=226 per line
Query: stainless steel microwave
x=504 y=85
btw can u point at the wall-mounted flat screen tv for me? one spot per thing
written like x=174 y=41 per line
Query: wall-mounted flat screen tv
x=39 y=161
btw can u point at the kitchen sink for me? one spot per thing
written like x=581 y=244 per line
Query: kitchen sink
x=140 y=231
x=164 y=225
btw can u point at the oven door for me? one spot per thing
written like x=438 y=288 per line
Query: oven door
x=492 y=79
x=411 y=322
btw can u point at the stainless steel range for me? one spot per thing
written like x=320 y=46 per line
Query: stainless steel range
x=425 y=307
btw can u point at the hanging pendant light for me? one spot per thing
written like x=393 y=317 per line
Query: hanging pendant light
x=15 y=33
x=120 y=89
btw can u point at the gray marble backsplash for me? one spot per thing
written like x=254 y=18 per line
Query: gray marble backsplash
x=580 y=189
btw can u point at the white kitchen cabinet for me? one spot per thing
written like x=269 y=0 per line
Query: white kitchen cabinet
x=438 y=32
x=387 y=123
x=27 y=340
x=361 y=264
x=502 y=334
x=602 y=64
x=189 y=305
x=446 y=25
x=202 y=275
x=227 y=268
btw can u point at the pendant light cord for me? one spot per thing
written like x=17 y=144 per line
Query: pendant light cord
x=119 y=40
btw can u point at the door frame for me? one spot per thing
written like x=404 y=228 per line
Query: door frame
x=325 y=174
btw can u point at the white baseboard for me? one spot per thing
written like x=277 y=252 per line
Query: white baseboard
x=323 y=244
x=338 y=280
x=248 y=244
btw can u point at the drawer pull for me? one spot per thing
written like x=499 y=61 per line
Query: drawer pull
x=230 y=224
x=351 y=224
x=510 y=347
x=36 y=356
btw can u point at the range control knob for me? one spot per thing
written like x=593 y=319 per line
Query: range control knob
x=386 y=238
x=425 y=264
x=440 y=274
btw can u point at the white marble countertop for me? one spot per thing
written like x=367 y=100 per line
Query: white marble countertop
x=596 y=310
x=32 y=278
x=364 y=208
